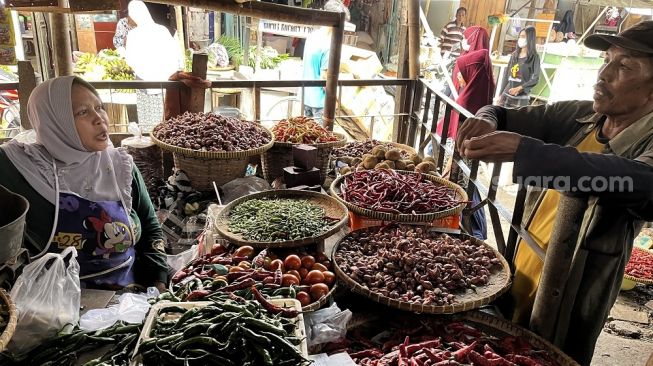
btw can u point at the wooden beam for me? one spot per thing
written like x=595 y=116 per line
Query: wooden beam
x=62 y=52
x=263 y=10
x=196 y=103
x=401 y=92
x=333 y=72
x=413 y=40
x=25 y=87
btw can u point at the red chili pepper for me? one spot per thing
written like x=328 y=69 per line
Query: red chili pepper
x=411 y=349
x=461 y=354
x=374 y=352
x=179 y=276
x=271 y=308
x=198 y=294
x=238 y=285
x=524 y=361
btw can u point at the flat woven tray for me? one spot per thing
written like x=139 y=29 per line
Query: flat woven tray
x=385 y=216
x=8 y=332
x=217 y=154
x=332 y=208
x=498 y=284
x=492 y=324
x=637 y=279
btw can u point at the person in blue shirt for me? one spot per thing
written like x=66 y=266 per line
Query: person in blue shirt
x=316 y=61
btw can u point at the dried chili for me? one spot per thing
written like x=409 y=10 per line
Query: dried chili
x=302 y=130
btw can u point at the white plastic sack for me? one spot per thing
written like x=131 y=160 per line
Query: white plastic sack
x=131 y=308
x=178 y=261
x=326 y=325
x=47 y=296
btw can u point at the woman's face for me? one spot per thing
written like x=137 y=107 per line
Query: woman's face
x=521 y=41
x=91 y=120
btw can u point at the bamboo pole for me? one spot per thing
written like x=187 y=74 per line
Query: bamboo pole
x=413 y=39
x=333 y=72
x=63 y=58
x=25 y=86
x=259 y=9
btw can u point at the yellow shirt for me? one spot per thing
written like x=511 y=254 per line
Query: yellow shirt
x=528 y=266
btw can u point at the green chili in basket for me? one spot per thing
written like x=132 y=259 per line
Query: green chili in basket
x=276 y=220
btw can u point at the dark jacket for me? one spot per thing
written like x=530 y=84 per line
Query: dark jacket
x=150 y=265
x=530 y=73
x=613 y=217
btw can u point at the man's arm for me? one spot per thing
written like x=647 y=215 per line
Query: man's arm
x=615 y=180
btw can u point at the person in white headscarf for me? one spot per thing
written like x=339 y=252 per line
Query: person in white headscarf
x=82 y=191
x=154 y=55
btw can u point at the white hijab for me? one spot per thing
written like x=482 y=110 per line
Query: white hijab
x=150 y=49
x=87 y=174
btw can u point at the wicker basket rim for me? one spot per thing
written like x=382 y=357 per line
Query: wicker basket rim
x=395 y=144
x=342 y=140
x=222 y=220
x=503 y=275
x=11 y=322
x=334 y=190
x=217 y=154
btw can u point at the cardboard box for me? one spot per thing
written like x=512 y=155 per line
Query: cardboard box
x=363 y=64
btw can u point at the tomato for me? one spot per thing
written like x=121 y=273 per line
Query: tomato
x=295 y=273
x=288 y=280
x=319 y=267
x=235 y=269
x=217 y=249
x=276 y=264
x=318 y=291
x=245 y=265
x=321 y=257
x=304 y=298
x=292 y=262
x=329 y=278
x=302 y=273
x=314 y=276
x=244 y=251
x=308 y=261
x=266 y=263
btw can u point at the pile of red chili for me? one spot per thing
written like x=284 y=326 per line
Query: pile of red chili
x=387 y=190
x=302 y=130
x=462 y=345
x=640 y=264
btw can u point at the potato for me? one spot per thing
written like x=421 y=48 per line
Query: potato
x=382 y=166
x=393 y=154
x=370 y=162
x=379 y=152
x=345 y=170
x=400 y=165
x=415 y=158
x=425 y=167
x=346 y=159
x=410 y=167
x=430 y=159
x=355 y=162
x=390 y=163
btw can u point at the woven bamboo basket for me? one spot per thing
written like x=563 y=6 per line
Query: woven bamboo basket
x=332 y=209
x=461 y=195
x=403 y=147
x=636 y=279
x=498 y=284
x=280 y=156
x=205 y=167
x=8 y=332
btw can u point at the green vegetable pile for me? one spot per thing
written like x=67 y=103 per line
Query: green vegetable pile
x=227 y=332
x=273 y=220
x=270 y=58
x=70 y=343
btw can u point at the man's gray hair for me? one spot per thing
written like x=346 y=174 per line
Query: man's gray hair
x=338 y=7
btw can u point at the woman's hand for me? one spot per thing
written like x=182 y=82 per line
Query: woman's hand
x=515 y=91
x=461 y=80
x=473 y=127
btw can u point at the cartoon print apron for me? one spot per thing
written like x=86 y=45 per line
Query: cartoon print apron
x=103 y=235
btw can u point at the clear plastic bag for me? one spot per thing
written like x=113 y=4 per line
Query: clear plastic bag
x=47 y=295
x=326 y=325
x=131 y=308
x=240 y=187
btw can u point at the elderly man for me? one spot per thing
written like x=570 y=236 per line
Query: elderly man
x=581 y=145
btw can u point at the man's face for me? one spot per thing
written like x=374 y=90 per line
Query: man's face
x=460 y=17
x=625 y=83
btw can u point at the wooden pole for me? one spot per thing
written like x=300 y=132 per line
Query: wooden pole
x=63 y=58
x=179 y=24
x=25 y=86
x=263 y=10
x=413 y=39
x=333 y=71
x=197 y=95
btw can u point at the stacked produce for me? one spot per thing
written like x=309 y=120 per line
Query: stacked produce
x=230 y=331
x=387 y=190
x=300 y=275
x=640 y=264
x=356 y=149
x=65 y=348
x=415 y=265
x=373 y=154
x=460 y=344
x=302 y=130
x=274 y=220
x=211 y=132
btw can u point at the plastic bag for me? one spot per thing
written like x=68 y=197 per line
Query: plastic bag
x=178 y=261
x=243 y=186
x=326 y=325
x=47 y=296
x=131 y=308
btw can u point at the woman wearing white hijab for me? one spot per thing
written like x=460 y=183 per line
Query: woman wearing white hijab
x=83 y=191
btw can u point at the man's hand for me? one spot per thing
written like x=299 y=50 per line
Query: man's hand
x=473 y=127
x=495 y=147
x=515 y=91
